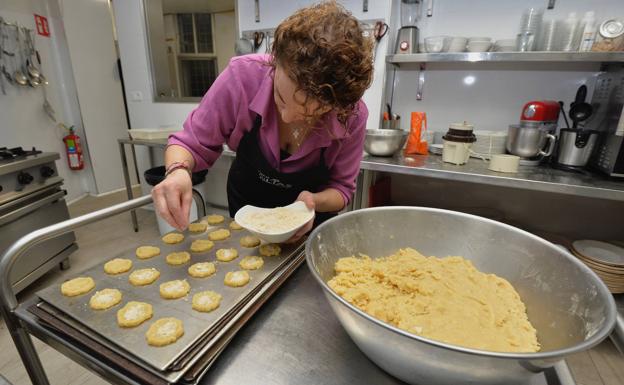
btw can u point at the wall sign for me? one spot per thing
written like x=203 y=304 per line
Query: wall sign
x=43 y=28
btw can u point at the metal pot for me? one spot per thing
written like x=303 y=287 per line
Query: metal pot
x=384 y=142
x=566 y=302
x=529 y=141
x=576 y=146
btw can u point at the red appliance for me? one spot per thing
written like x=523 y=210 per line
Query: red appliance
x=540 y=113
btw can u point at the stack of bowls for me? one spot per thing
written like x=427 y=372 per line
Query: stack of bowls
x=489 y=143
x=458 y=44
x=435 y=44
x=479 y=44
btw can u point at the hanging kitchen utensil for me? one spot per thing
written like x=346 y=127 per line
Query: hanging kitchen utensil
x=258 y=38
x=579 y=109
x=47 y=107
x=18 y=74
x=379 y=31
x=33 y=71
x=565 y=118
x=44 y=80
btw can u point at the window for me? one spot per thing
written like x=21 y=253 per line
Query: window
x=197 y=61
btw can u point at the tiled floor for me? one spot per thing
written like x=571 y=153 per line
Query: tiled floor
x=602 y=365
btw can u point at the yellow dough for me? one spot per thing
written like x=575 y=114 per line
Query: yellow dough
x=77 y=286
x=164 y=331
x=235 y=226
x=236 y=278
x=215 y=219
x=117 y=266
x=249 y=241
x=227 y=255
x=206 y=301
x=270 y=249
x=202 y=269
x=133 y=314
x=219 y=235
x=173 y=238
x=178 y=258
x=104 y=299
x=142 y=277
x=445 y=299
x=146 y=252
x=174 y=289
x=198 y=227
x=251 y=262
x=201 y=245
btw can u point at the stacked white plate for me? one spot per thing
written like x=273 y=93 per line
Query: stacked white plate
x=605 y=259
x=488 y=143
x=436 y=149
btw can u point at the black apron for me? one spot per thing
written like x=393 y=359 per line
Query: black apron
x=253 y=181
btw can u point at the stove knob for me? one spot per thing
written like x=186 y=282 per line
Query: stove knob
x=24 y=178
x=46 y=171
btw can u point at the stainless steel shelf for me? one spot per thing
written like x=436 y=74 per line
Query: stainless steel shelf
x=581 y=57
x=540 y=178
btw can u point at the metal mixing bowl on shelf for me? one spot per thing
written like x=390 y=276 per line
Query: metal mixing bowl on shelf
x=566 y=302
x=384 y=142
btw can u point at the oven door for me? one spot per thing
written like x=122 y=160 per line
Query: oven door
x=30 y=213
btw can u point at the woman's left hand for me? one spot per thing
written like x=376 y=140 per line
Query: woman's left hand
x=307 y=198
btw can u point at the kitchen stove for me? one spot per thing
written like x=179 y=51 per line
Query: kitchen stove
x=32 y=197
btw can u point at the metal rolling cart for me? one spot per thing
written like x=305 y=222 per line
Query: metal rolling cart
x=294 y=337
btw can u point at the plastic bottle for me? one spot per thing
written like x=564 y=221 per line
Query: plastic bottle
x=571 y=33
x=589 y=31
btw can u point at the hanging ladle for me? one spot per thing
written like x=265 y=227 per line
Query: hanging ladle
x=18 y=74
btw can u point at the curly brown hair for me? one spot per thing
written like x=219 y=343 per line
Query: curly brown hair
x=323 y=50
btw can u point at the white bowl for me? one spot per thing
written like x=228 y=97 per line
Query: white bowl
x=480 y=38
x=272 y=237
x=458 y=44
x=435 y=44
x=479 y=46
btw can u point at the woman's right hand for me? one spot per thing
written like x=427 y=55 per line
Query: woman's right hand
x=172 y=198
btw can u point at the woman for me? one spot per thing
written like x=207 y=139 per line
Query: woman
x=294 y=118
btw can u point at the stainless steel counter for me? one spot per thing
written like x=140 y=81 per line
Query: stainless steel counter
x=295 y=338
x=539 y=178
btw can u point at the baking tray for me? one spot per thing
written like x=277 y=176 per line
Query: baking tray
x=104 y=350
x=196 y=324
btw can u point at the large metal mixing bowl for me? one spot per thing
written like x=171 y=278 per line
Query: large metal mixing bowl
x=384 y=142
x=566 y=302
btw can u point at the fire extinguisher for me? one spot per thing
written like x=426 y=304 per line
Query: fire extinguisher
x=73 y=150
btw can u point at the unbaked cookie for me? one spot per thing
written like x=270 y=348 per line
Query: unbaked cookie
x=77 y=286
x=142 y=277
x=235 y=226
x=174 y=289
x=249 y=241
x=178 y=258
x=104 y=299
x=236 y=278
x=134 y=313
x=251 y=262
x=117 y=266
x=215 y=219
x=202 y=269
x=206 y=301
x=219 y=235
x=198 y=227
x=146 y=252
x=164 y=331
x=270 y=249
x=227 y=255
x=201 y=245
x=173 y=238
